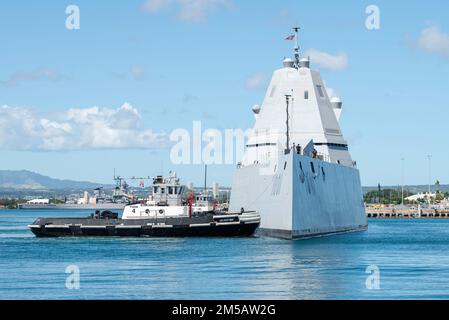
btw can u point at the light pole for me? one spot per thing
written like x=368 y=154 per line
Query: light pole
x=430 y=173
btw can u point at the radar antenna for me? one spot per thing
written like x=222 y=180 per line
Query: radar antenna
x=296 y=29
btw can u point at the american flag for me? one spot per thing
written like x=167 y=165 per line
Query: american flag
x=290 y=37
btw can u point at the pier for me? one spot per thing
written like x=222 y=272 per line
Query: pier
x=416 y=212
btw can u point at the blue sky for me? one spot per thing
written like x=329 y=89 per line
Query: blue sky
x=176 y=61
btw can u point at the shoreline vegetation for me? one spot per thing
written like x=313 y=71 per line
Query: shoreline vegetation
x=12 y=204
x=394 y=197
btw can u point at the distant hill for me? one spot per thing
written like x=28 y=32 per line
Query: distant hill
x=411 y=188
x=27 y=180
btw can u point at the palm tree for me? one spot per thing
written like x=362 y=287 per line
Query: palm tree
x=437 y=186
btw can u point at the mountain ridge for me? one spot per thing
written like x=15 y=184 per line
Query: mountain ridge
x=29 y=180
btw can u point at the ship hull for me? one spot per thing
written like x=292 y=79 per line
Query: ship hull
x=303 y=198
x=205 y=226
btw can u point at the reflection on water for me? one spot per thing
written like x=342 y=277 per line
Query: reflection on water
x=411 y=255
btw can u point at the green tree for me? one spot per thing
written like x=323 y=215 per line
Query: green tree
x=437 y=186
x=386 y=196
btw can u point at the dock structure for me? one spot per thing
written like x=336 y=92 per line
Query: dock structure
x=416 y=212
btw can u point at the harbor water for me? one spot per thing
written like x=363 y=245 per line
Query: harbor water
x=411 y=255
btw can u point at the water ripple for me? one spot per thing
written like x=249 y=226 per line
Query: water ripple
x=411 y=255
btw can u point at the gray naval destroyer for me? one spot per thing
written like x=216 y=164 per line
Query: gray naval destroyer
x=297 y=171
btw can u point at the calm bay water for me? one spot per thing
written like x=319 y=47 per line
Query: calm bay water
x=412 y=255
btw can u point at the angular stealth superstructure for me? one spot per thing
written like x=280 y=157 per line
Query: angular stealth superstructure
x=297 y=170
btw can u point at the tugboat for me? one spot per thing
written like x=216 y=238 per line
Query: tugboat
x=170 y=211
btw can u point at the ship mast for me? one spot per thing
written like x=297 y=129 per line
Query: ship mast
x=205 y=179
x=287 y=99
x=296 y=29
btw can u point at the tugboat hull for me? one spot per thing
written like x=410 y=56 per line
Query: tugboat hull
x=238 y=225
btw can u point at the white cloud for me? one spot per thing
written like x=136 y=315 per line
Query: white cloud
x=198 y=10
x=331 y=92
x=35 y=75
x=187 y=10
x=326 y=60
x=433 y=40
x=154 y=6
x=76 y=129
x=138 y=72
x=256 y=81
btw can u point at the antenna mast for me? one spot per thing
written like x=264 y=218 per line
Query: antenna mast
x=287 y=99
x=296 y=29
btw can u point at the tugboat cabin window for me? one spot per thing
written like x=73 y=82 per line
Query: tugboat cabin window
x=306 y=95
